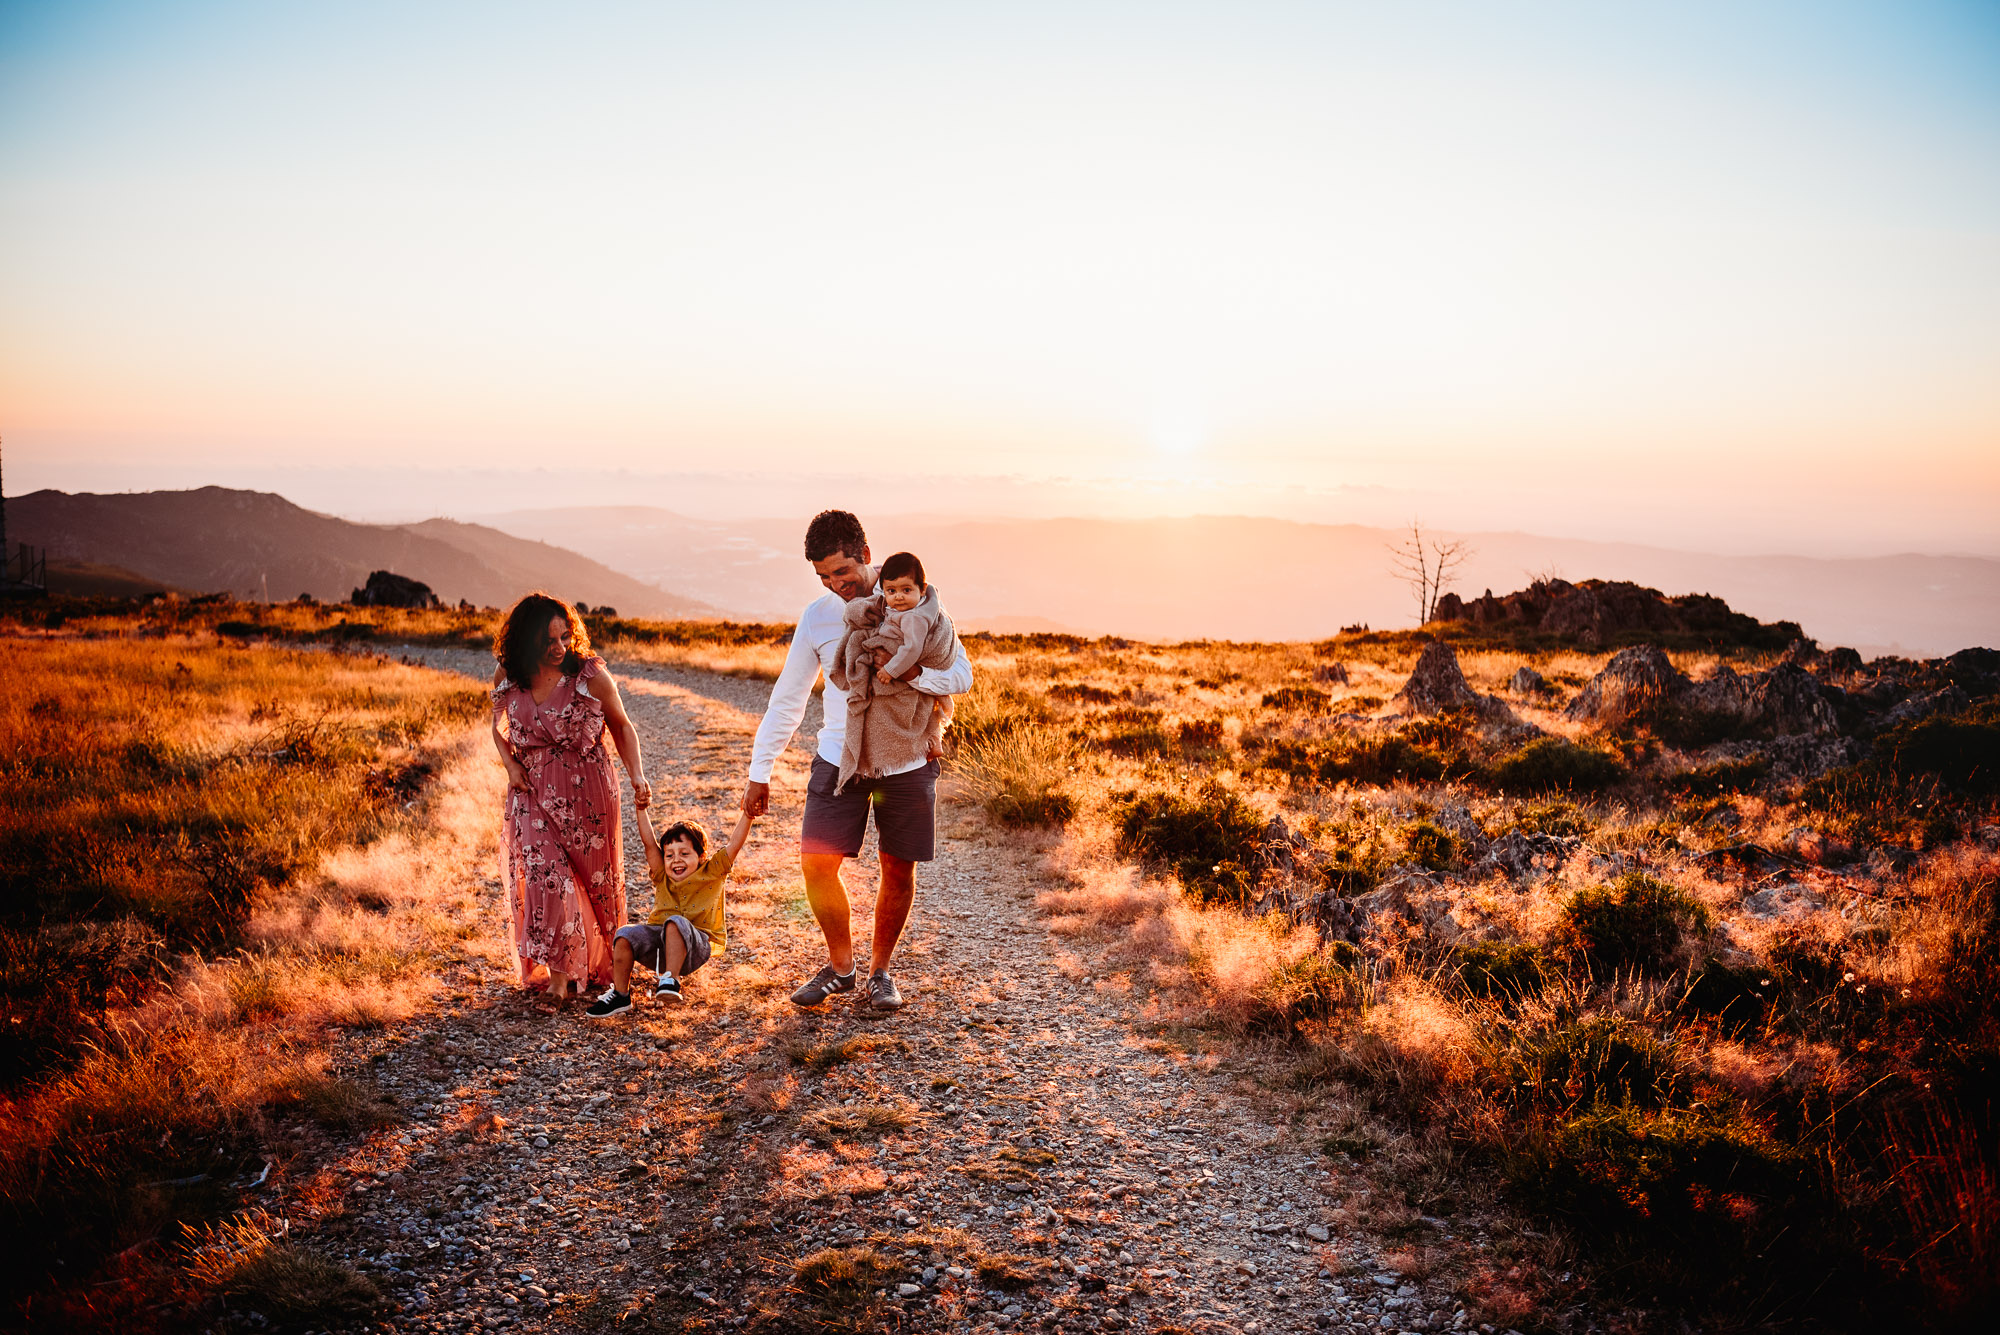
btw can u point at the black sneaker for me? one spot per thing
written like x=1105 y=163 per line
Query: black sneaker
x=822 y=985
x=668 y=989
x=880 y=997
x=613 y=1002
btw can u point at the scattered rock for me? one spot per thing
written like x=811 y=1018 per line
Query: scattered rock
x=1527 y=681
x=1331 y=673
x=1437 y=686
x=1784 y=903
x=387 y=589
x=1636 y=681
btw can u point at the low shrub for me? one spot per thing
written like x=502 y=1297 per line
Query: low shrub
x=1367 y=760
x=844 y=1276
x=1918 y=781
x=1603 y=1061
x=1202 y=736
x=247 y=1262
x=1558 y=817
x=1208 y=838
x=1302 y=698
x=1690 y=1199
x=1084 y=693
x=1552 y=764
x=1313 y=986
x=1723 y=776
x=1735 y=998
x=1636 y=922
x=1511 y=969
x=1431 y=846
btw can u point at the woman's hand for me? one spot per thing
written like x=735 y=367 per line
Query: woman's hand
x=642 y=792
x=517 y=775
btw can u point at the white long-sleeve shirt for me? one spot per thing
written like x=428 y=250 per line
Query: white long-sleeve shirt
x=816 y=645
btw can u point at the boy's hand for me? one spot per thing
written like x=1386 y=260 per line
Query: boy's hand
x=882 y=675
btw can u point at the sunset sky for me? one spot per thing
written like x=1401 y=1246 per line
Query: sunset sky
x=1712 y=275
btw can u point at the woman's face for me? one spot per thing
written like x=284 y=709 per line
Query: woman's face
x=556 y=648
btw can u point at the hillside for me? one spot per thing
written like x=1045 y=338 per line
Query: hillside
x=249 y=543
x=1266 y=579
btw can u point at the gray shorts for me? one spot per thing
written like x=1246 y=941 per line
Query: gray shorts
x=649 y=944
x=905 y=807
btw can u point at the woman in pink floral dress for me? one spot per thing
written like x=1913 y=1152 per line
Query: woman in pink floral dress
x=553 y=701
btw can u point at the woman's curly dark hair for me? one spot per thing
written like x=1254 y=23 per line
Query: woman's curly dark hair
x=518 y=646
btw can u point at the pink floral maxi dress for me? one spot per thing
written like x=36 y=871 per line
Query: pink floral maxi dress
x=565 y=868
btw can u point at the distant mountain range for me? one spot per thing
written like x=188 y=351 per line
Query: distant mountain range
x=248 y=543
x=1161 y=579
x=1250 y=578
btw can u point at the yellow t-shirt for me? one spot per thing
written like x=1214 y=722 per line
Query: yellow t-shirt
x=699 y=898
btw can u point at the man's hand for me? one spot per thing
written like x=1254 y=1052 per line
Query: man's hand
x=911 y=675
x=756 y=799
x=935 y=751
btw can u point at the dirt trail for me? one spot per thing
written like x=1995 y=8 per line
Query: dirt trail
x=671 y=1166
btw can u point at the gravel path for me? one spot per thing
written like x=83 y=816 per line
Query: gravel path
x=1012 y=1149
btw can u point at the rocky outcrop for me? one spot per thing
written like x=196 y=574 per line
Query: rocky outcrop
x=1595 y=612
x=386 y=589
x=1437 y=685
x=1642 y=684
x=1527 y=681
x=1636 y=683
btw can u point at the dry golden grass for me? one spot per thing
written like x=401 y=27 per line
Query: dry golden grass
x=1755 y=1080
x=295 y=824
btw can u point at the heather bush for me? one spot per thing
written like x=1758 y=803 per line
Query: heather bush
x=1551 y=764
x=1364 y=760
x=1207 y=837
x=1507 y=970
x=1636 y=922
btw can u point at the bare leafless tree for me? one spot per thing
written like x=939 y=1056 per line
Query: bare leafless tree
x=1426 y=565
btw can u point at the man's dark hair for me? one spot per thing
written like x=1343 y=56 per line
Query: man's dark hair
x=835 y=531
x=689 y=830
x=903 y=565
x=518 y=644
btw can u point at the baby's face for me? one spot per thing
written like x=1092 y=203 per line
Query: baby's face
x=681 y=859
x=902 y=593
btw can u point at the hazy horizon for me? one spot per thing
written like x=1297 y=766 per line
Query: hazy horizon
x=1715 y=276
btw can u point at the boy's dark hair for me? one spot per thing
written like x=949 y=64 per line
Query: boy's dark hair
x=689 y=830
x=835 y=531
x=902 y=566
x=518 y=645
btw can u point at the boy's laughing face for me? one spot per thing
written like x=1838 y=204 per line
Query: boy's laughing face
x=681 y=859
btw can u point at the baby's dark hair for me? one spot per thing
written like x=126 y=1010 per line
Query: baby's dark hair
x=903 y=566
x=689 y=830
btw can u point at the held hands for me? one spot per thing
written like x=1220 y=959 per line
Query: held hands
x=642 y=792
x=756 y=799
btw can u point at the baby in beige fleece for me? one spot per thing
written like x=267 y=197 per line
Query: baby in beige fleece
x=891 y=724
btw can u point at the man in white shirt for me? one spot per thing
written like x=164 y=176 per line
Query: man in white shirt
x=904 y=803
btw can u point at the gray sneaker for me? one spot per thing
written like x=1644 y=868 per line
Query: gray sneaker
x=821 y=986
x=880 y=996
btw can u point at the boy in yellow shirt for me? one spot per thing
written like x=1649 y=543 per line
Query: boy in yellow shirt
x=687 y=923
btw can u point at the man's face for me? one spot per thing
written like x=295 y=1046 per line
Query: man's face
x=681 y=859
x=846 y=576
